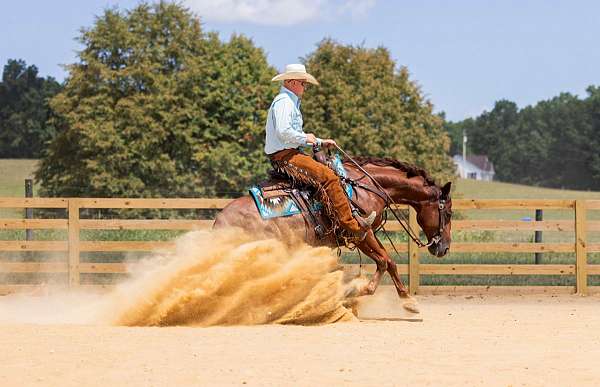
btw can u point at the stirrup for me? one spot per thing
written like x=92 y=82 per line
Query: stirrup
x=365 y=223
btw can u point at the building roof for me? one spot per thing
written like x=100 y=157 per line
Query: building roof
x=482 y=162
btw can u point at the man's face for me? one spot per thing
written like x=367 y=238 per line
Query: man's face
x=297 y=86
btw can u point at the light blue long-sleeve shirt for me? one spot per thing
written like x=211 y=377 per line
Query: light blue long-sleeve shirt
x=284 y=123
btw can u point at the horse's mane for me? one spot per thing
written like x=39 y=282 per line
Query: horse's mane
x=410 y=169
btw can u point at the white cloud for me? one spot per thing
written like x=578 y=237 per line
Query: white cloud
x=277 y=12
x=356 y=8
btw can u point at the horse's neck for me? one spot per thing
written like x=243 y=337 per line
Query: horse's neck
x=401 y=188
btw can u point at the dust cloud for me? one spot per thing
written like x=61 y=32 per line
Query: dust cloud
x=217 y=277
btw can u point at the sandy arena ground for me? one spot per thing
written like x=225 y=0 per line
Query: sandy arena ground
x=462 y=340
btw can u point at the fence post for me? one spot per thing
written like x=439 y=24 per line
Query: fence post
x=413 y=254
x=73 y=242
x=581 y=246
x=539 y=216
x=29 y=211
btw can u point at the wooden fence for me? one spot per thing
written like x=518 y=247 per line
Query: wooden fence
x=73 y=246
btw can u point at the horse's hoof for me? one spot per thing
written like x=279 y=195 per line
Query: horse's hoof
x=411 y=306
x=356 y=288
x=351 y=291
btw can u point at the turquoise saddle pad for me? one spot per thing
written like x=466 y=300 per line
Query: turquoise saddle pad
x=285 y=205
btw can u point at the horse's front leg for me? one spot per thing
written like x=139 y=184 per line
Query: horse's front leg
x=392 y=269
x=373 y=248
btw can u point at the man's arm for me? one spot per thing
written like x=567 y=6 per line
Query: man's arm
x=282 y=118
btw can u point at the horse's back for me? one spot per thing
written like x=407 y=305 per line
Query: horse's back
x=240 y=212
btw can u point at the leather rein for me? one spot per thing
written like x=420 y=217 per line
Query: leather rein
x=379 y=191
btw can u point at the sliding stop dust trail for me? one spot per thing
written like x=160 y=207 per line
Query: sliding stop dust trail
x=216 y=277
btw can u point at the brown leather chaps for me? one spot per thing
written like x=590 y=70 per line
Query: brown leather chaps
x=305 y=169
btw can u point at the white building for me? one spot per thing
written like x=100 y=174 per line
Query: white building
x=476 y=167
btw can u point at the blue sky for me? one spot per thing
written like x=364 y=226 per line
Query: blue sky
x=465 y=54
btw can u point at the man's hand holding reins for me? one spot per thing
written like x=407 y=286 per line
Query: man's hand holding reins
x=328 y=142
x=311 y=139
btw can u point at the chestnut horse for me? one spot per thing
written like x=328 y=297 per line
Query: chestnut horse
x=402 y=182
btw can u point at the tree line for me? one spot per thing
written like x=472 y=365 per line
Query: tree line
x=554 y=143
x=155 y=106
x=24 y=110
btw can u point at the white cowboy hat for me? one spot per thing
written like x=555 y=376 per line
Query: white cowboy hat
x=295 y=71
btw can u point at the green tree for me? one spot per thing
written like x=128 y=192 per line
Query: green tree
x=24 y=110
x=156 y=107
x=553 y=143
x=372 y=108
x=455 y=131
x=494 y=134
x=593 y=140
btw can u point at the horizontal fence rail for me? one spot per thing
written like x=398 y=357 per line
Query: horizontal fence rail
x=73 y=246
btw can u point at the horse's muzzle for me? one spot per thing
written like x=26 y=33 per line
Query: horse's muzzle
x=439 y=249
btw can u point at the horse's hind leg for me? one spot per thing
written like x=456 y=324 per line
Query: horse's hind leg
x=367 y=247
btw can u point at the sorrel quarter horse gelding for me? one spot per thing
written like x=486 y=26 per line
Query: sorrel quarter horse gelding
x=401 y=182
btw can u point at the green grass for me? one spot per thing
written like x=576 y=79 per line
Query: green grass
x=13 y=173
x=473 y=189
x=466 y=188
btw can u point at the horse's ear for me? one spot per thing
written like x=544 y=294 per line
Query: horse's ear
x=446 y=189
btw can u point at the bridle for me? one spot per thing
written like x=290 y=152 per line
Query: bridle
x=442 y=210
x=389 y=202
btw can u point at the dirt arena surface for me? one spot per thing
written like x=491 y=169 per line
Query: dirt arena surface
x=462 y=340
